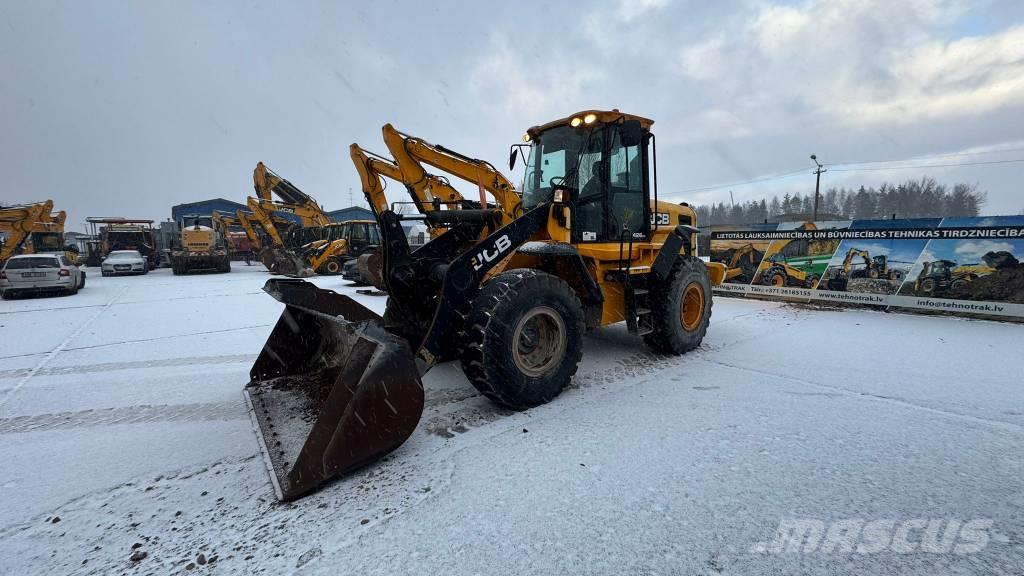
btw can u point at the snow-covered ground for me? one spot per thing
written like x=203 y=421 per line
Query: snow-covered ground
x=123 y=430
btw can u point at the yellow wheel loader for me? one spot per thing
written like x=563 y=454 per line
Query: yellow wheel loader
x=508 y=287
x=203 y=246
x=33 y=229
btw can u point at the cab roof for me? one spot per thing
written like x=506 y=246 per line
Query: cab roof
x=603 y=116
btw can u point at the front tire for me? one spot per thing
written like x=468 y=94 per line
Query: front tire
x=775 y=278
x=680 y=308
x=332 y=267
x=523 y=338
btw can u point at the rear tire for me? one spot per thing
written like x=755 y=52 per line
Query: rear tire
x=523 y=338
x=7 y=295
x=680 y=308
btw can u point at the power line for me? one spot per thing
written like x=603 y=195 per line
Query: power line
x=928 y=165
x=745 y=182
x=928 y=156
x=834 y=169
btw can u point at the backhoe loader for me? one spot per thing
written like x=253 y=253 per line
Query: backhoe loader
x=339 y=242
x=508 y=286
x=876 y=267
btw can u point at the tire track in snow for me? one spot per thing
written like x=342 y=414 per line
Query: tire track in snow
x=57 y=350
x=137 y=364
x=125 y=415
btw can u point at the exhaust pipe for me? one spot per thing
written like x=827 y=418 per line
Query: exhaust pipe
x=331 y=391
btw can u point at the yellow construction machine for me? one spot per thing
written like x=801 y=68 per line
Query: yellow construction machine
x=743 y=261
x=877 y=267
x=508 y=285
x=31 y=229
x=203 y=246
x=339 y=242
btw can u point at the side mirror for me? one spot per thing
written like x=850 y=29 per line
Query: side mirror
x=513 y=152
x=631 y=133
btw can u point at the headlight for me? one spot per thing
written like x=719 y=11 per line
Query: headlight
x=575 y=122
x=589 y=118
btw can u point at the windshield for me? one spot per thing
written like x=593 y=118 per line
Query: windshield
x=125 y=255
x=565 y=154
x=336 y=233
x=34 y=262
x=191 y=221
x=47 y=241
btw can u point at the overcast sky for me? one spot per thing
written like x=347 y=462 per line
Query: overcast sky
x=126 y=108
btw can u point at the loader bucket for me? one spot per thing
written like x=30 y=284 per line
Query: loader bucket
x=283 y=262
x=331 y=391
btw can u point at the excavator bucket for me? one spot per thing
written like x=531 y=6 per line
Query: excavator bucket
x=283 y=262
x=331 y=391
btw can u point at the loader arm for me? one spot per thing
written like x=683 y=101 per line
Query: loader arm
x=411 y=153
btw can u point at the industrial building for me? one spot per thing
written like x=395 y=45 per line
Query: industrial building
x=206 y=208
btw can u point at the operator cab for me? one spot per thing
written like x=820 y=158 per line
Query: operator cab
x=596 y=163
x=194 y=221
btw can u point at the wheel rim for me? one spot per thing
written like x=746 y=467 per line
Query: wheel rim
x=538 y=342
x=691 y=309
x=778 y=280
x=333 y=267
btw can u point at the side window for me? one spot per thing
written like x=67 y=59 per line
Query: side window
x=359 y=232
x=374 y=235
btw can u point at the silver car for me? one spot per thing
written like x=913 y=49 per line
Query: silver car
x=37 y=273
x=124 y=262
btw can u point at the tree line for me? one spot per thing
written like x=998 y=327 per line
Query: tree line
x=924 y=198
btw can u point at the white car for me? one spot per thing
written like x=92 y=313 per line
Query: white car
x=37 y=273
x=124 y=262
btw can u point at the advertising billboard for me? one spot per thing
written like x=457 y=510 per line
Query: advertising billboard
x=968 y=265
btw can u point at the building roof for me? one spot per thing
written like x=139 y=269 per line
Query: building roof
x=201 y=202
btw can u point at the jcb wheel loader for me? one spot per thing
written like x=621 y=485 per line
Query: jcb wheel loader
x=508 y=286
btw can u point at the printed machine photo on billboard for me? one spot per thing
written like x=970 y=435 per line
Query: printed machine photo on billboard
x=919 y=263
x=973 y=268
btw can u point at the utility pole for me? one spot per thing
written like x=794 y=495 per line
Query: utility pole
x=817 y=185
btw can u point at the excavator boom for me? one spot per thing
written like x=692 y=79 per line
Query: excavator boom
x=20 y=221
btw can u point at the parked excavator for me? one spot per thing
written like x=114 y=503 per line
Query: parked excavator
x=508 y=285
x=21 y=222
x=743 y=261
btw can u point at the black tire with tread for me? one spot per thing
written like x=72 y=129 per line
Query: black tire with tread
x=325 y=267
x=488 y=332
x=669 y=336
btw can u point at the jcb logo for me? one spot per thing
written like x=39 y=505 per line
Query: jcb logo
x=501 y=245
x=660 y=219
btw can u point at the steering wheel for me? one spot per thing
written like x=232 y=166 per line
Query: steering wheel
x=561 y=182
